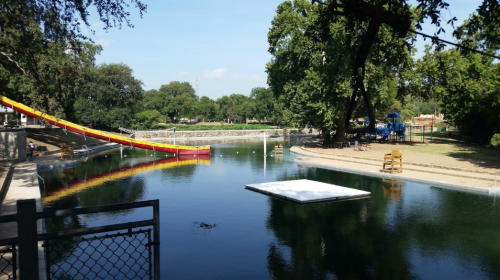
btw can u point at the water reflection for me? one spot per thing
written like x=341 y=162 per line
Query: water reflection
x=390 y=236
x=392 y=188
x=87 y=198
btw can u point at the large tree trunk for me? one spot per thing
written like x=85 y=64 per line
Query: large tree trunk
x=340 y=134
x=326 y=137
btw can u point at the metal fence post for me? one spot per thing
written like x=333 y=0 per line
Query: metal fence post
x=27 y=236
x=156 y=233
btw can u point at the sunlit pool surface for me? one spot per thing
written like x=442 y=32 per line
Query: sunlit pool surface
x=404 y=230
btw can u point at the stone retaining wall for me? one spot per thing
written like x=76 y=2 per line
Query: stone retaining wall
x=215 y=133
x=13 y=145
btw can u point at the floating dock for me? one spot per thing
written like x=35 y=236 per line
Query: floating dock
x=306 y=191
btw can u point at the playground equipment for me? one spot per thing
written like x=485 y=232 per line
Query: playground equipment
x=85 y=131
x=394 y=124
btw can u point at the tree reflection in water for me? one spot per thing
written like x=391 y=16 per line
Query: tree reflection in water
x=384 y=237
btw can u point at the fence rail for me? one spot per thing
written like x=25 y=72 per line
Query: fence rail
x=118 y=251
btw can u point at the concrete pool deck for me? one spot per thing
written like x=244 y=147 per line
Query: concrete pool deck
x=470 y=181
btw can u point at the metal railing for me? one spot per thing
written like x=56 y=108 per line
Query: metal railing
x=118 y=251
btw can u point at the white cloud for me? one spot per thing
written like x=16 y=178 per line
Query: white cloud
x=179 y=75
x=215 y=74
x=249 y=78
x=104 y=42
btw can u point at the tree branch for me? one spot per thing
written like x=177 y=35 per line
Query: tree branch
x=8 y=55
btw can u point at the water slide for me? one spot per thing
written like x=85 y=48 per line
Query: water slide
x=161 y=147
x=125 y=172
x=387 y=132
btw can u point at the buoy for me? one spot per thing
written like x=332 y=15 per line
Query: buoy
x=237 y=152
x=254 y=152
x=125 y=155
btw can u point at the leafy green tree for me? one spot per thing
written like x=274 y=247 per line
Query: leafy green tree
x=175 y=88
x=311 y=67
x=153 y=100
x=108 y=98
x=181 y=106
x=224 y=103
x=264 y=103
x=207 y=108
x=150 y=118
x=58 y=75
x=468 y=88
x=42 y=47
x=233 y=107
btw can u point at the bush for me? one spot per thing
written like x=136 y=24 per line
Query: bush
x=495 y=141
x=213 y=127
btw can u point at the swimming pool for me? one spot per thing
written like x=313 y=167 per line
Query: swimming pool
x=404 y=230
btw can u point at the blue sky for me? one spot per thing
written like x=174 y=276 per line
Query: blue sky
x=221 y=43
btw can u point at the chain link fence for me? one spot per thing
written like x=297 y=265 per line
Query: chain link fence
x=123 y=255
x=8 y=262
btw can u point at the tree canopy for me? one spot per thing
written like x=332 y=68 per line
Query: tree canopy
x=43 y=48
x=312 y=65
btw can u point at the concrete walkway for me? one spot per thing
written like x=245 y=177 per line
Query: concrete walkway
x=439 y=177
x=24 y=185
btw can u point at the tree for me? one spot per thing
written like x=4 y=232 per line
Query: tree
x=108 y=98
x=468 y=88
x=175 y=88
x=233 y=107
x=150 y=118
x=264 y=103
x=311 y=67
x=181 y=106
x=57 y=76
x=36 y=35
x=207 y=108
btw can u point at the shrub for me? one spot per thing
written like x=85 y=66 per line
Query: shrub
x=213 y=127
x=495 y=141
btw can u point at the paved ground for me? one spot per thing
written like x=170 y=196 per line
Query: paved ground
x=421 y=167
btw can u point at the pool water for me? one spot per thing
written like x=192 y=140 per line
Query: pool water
x=404 y=230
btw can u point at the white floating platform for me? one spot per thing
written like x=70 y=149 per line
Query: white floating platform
x=307 y=191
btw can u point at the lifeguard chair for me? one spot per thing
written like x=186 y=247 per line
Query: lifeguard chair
x=393 y=161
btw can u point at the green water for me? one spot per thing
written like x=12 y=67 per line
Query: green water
x=413 y=232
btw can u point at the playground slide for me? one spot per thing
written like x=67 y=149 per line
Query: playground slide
x=387 y=132
x=175 y=149
x=122 y=173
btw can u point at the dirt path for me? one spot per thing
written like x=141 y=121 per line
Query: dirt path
x=449 y=155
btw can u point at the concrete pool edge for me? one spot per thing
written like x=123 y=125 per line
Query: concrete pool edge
x=327 y=163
